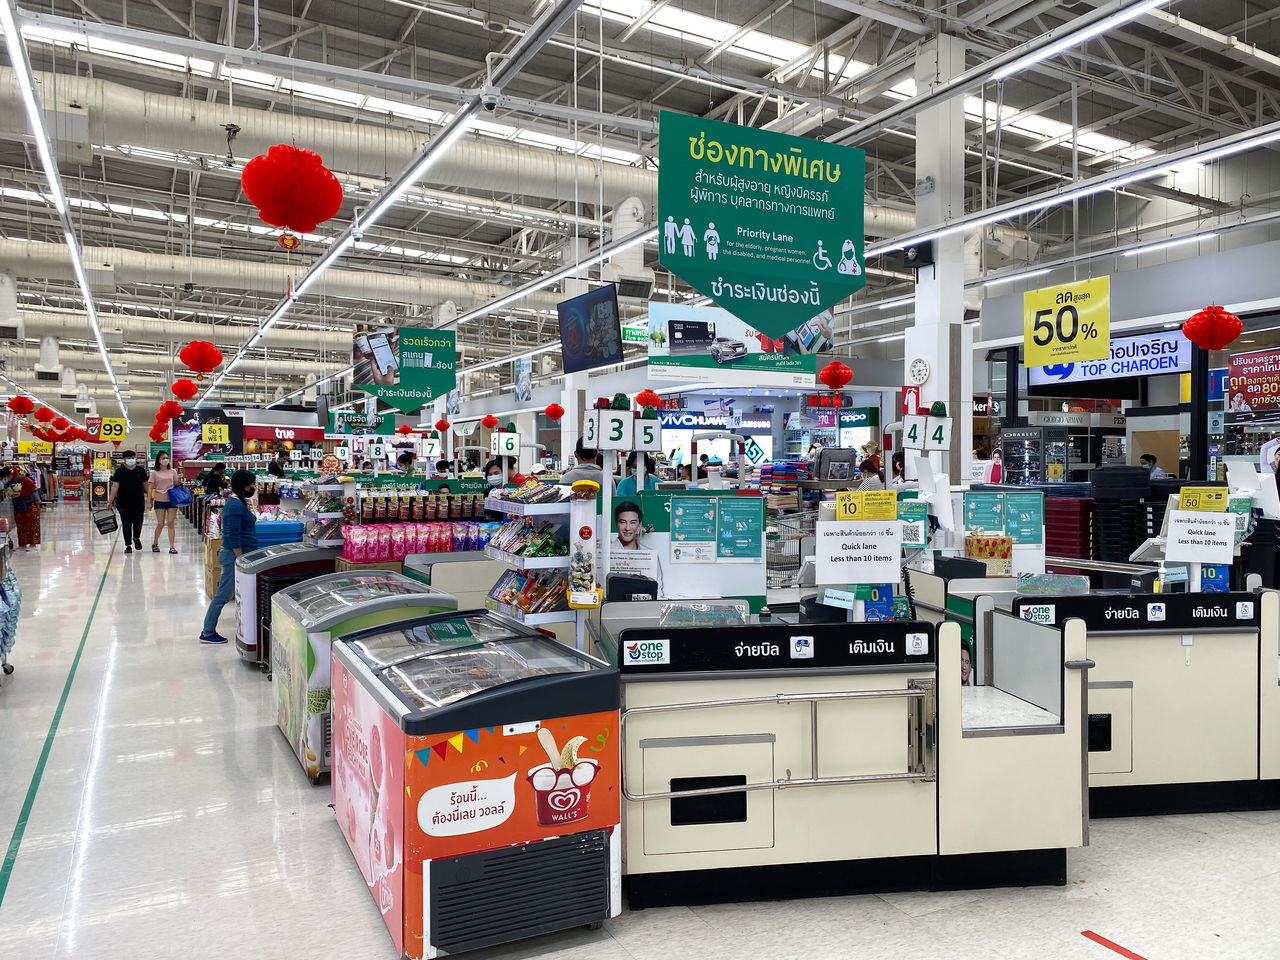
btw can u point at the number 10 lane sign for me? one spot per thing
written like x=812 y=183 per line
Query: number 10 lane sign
x=1067 y=323
x=767 y=225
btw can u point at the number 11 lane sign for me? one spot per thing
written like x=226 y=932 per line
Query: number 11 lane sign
x=1067 y=323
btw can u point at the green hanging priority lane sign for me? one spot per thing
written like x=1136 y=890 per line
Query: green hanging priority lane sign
x=767 y=225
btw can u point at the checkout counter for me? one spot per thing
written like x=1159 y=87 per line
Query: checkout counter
x=1184 y=700
x=767 y=760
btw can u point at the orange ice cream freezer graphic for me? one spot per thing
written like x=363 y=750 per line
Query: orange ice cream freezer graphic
x=476 y=780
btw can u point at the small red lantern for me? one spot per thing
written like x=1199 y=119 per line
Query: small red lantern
x=21 y=405
x=1212 y=328
x=488 y=421
x=289 y=241
x=60 y=424
x=44 y=414
x=184 y=389
x=442 y=425
x=835 y=375
x=291 y=188
x=404 y=429
x=168 y=410
x=554 y=412
x=201 y=356
x=648 y=398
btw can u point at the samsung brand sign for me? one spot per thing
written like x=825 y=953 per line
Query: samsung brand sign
x=1148 y=355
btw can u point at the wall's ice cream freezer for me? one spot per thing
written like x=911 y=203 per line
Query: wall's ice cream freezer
x=259 y=574
x=305 y=619
x=476 y=780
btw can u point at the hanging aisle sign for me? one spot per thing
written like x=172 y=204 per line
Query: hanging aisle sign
x=404 y=366
x=1067 y=323
x=767 y=225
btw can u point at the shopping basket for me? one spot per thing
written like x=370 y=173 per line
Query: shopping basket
x=105 y=521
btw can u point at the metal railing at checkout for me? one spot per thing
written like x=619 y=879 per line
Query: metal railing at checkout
x=922 y=739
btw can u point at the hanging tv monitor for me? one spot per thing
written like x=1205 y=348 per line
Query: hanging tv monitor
x=590 y=331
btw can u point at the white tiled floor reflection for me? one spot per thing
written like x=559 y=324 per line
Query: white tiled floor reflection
x=173 y=822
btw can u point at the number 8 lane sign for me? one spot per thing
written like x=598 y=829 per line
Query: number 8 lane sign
x=1067 y=324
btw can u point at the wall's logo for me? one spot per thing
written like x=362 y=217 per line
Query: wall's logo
x=648 y=652
x=802 y=648
x=1155 y=612
x=1038 y=612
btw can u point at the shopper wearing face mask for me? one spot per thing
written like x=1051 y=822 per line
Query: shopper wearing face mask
x=163 y=479
x=128 y=494
x=239 y=536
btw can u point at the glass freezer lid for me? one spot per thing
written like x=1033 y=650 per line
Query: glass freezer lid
x=450 y=674
x=427 y=639
x=323 y=596
x=274 y=552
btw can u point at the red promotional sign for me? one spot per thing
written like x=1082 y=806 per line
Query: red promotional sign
x=92 y=427
x=1253 y=384
x=309 y=434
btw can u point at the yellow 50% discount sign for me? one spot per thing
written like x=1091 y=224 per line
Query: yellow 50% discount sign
x=1067 y=323
x=867 y=505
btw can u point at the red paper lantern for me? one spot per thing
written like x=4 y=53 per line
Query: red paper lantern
x=44 y=414
x=168 y=410
x=835 y=375
x=201 y=356
x=404 y=429
x=488 y=421
x=60 y=424
x=554 y=412
x=291 y=188
x=442 y=425
x=21 y=405
x=648 y=398
x=184 y=389
x=1212 y=328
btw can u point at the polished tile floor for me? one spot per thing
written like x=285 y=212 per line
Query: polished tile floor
x=172 y=822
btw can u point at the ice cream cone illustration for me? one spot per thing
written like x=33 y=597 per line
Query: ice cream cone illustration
x=563 y=785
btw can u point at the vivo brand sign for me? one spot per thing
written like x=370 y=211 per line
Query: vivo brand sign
x=1148 y=355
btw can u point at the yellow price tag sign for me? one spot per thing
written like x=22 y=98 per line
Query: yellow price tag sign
x=1055 y=471
x=102 y=463
x=867 y=505
x=215 y=433
x=112 y=429
x=34 y=446
x=1203 y=499
x=1069 y=323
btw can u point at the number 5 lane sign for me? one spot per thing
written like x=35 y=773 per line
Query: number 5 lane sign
x=1067 y=323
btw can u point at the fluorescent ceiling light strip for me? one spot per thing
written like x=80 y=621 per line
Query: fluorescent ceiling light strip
x=1016 y=276
x=25 y=392
x=1077 y=38
x=312 y=386
x=35 y=118
x=891 y=337
x=1166 y=244
x=602 y=254
x=898 y=302
x=1147 y=170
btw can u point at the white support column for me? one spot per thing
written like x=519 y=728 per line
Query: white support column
x=939 y=335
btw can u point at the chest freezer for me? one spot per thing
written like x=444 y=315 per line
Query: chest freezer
x=476 y=780
x=305 y=619
x=259 y=574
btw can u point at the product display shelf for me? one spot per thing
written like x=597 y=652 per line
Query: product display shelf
x=313 y=542
x=321 y=521
x=497 y=505
x=329 y=515
x=527 y=563
x=531 y=619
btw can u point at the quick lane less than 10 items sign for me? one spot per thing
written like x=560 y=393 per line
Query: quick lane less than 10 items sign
x=767 y=225
x=1068 y=323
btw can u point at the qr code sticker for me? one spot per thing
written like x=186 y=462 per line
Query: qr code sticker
x=913 y=533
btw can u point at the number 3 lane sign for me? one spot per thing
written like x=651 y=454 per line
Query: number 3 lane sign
x=1067 y=323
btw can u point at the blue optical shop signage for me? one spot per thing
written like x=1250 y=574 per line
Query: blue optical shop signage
x=1147 y=355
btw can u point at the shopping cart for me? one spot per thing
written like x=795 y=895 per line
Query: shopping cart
x=788 y=542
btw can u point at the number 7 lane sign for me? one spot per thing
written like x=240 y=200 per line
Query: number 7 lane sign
x=1067 y=323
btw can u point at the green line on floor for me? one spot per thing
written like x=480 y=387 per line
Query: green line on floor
x=19 y=828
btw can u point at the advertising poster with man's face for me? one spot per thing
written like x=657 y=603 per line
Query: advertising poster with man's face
x=1253 y=387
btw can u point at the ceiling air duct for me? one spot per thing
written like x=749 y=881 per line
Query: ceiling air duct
x=67 y=391
x=47 y=367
